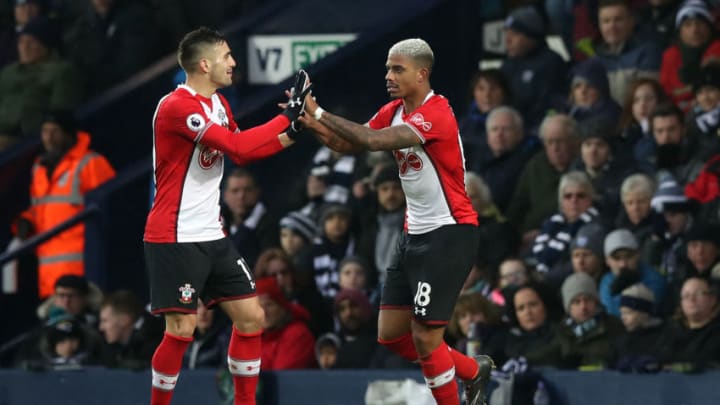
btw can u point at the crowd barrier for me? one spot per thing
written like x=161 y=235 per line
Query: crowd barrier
x=340 y=387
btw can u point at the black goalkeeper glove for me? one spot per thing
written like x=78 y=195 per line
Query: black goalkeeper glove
x=296 y=103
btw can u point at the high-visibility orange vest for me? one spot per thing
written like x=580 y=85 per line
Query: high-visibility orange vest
x=55 y=200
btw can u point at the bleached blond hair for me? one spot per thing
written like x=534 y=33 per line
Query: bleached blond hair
x=414 y=48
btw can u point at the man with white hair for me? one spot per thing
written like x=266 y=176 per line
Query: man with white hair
x=508 y=150
x=435 y=253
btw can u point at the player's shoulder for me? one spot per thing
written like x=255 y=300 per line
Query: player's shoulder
x=179 y=100
x=391 y=106
x=437 y=101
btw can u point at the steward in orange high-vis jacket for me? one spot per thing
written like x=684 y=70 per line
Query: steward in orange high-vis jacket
x=60 y=179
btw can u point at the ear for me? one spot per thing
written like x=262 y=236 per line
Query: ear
x=422 y=75
x=204 y=65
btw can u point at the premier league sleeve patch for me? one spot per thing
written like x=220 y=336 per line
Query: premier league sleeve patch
x=195 y=122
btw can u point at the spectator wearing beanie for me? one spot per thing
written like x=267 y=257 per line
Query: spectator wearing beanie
x=586 y=334
x=355 y=315
x=623 y=258
x=639 y=349
x=590 y=93
x=666 y=247
x=297 y=233
x=696 y=47
x=586 y=251
x=287 y=343
x=535 y=73
x=326 y=350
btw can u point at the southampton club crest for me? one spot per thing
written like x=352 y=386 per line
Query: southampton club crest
x=186 y=293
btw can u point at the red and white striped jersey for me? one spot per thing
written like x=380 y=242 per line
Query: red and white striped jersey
x=191 y=135
x=432 y=173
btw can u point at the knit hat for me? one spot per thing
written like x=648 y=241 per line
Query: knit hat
x=703 y=232
x=41 y=29
x=334 y=209
x=709 y=76
x=300 y=224
x=75 y=282
x=620 y=239
x=693 y=9
x=576 y=284
x=388 y=173
x=269 y=286
x=358 y=297
x=669 y=196
x=326 y=339
x=594 y=73
x=63 y=118
x=589 y=236
x=526 y=20
x=639 y=298
x=64 y=328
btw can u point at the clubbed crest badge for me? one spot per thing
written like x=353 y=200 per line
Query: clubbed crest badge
x=186 y=293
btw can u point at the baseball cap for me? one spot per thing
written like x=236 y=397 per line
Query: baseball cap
x=620 y=239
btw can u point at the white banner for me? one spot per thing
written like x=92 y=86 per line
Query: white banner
x=273 y=58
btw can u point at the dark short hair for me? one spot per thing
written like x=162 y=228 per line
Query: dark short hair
x=191 y=46
x=610 y=3
x=666 y=109
x=124 y=302
x=78 y=283
x=495 y=77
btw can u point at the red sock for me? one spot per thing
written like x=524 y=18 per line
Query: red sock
x=244 y=364
x=439 y=372
x=166 y=364
x=466 y=368
x=403 y=346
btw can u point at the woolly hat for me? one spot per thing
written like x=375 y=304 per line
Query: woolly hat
x=300 y=224
x=64 y=119
x=64 y=328
x=589 y=236
x=334 y=209
x=358 y=297
x=709 y=76
x=620 y=239
x=41 y=29
x=594 y=73
x=669 y=196
x=639 y=298
x=693 y=9
x=597 y=127
x=526 y=20
x=326 y=339
x=703 y=232
x=269 y=286
x=576 y=284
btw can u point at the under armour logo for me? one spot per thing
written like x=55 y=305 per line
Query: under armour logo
x=420 y=311
x=252 y=285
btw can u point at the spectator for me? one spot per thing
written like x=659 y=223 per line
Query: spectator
x=590 y=93
x=287 y=343
x=113 y=40
x=131 y=333
x=604 y=167
x=535 y=196
x=587 y=333
x=550 y=248
x=355 y=317
x=504 y=154
x=513 y=273
x=75 y=296
x=638 y=350
x=63 y=343
x=297 y=288
x=334 y=245
x=381 y=227
x=473 y=311
x=297 y=232
x=626 y=269
x=354 y=274
x=327 y=347
x=210 y=340
x=681 y=62
x=61 y=177
x=489 y=90
x=704 y=117
x=637 y=214
x=623 y=54
x=676 y=151
x=248 y=222
x=636 y=139
x=37 y=83
x=586 y=251
x=690 y=343
x=532 y=331
x=24 y=11
x=536 y=74
x=338 y=172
